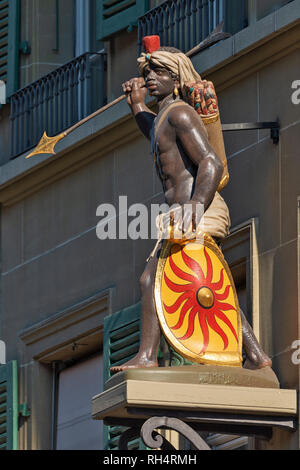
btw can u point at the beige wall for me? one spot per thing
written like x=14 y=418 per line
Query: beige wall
x=38 y=27
x=264 y=177
x=265 y=184
x=122 y=58
x=51 y=259
x=51 y=255
x=122 y=61
x=4 y=134
x=123 y=47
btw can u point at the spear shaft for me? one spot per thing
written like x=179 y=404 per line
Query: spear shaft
x=96 y=113
x=47 y=144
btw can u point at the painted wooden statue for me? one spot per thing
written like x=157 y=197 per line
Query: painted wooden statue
x=187 y=288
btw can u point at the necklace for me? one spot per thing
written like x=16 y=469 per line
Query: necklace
x=166 y=101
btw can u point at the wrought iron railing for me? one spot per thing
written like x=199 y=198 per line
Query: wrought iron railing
x=57 y=101
x=185 y=23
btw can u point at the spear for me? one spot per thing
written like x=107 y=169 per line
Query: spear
x=47 y=144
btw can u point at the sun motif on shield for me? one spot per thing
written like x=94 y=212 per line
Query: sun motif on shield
x=204 y=302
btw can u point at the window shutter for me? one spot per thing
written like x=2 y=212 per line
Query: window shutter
x=227 y=442
x=116 y=15
x=9 y=406
x=236 y=16
x=9 y=44
x=121 y=343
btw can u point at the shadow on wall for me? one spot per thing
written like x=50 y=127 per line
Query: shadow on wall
x=284 y=314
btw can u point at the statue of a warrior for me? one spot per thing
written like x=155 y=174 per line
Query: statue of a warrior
x=187 y=288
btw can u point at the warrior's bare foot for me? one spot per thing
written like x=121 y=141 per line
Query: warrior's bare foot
x=257 y=360
x=135 y=363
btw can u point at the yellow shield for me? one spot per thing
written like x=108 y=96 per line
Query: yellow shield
x=197 y=303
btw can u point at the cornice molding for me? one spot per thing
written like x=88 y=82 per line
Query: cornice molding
x=254 y=58
x=250 y=50
x=65 y=162
x=55 y=336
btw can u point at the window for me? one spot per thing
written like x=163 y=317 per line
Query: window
x=76 y=430
x=9 y=44
x=227 y=442
x=121 y=343
x=72 y=337
x=9 y=406
x=85 y=27
x=236 y=17
x=241 y=253
x=82 y=22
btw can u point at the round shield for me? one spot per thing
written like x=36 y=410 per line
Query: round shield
x=197 y=303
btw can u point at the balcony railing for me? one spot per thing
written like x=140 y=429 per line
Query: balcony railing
x=57 y=101
x=185 y=23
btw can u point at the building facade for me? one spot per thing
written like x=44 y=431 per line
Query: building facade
x=59 y=282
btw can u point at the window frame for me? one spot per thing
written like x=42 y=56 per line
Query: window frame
x=9 y=380
x=242 y=243
x=12 y=83
x=50 y=343
x=116 y=325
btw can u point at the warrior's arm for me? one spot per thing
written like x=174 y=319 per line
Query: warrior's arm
x=136 y=94
x=190 y=133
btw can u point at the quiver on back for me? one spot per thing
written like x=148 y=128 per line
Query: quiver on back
x=202 y=97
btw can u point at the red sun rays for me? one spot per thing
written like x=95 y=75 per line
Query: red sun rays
x=187 y=301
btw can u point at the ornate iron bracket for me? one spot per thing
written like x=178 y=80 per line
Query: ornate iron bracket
x=198 y=422
x=135 y=432
x=127 y=436
x=246 y=126
x=154 y=440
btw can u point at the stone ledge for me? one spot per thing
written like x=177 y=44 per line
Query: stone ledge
x=115 y=402
x=250 y=38
x=205 y=374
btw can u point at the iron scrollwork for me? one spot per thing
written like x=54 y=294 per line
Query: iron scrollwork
x=154 y=440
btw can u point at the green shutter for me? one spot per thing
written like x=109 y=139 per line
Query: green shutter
x=235 y=16
x=116 y=15
x=9 y=406
x=9 y=44
x=121 y=343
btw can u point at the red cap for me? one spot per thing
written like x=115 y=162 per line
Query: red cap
x=151 y=44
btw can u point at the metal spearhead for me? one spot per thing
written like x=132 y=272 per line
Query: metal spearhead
x=47 y=144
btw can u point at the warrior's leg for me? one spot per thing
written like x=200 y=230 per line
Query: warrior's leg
x=256 y=357
x=150 y=337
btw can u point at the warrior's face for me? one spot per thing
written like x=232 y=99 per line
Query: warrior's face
x=159 y=81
